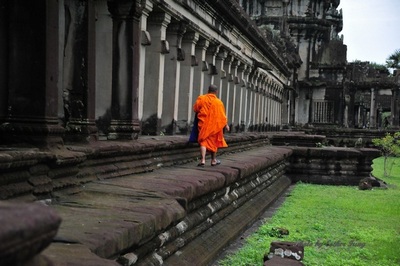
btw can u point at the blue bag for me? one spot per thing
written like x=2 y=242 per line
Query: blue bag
x=194 y=134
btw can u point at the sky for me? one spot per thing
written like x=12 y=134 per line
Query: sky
x=371 y=29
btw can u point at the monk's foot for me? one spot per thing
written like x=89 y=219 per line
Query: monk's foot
x=215 y=162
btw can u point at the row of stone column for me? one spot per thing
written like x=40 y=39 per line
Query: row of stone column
x=368 y=116
x=180 y=64
x=143 y=78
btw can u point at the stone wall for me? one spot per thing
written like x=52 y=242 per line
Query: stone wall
x=331 y=165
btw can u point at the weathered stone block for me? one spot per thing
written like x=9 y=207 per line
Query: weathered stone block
x=26 y=229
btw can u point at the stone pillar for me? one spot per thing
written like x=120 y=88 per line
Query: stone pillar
x=125 y=74
x=220 y=75
x=4 y=62
x=172 y=71
x=262 y=102
x=211 y=55
x=372 y=112
x=227 y=93
x=79 y=71
x=346 y=110
x=186 y=100
x=154 y=77
x=258 y=106
x=279 y=108
x=201 y=68
x=268 y=104
x=285 y=116
x=243 y=77
x=145 y=42
x=246 y=88
x=236 y=96
x=262 y=109
x=254 y=100
x=30 y=115
x=273 y=106
x=352 y=94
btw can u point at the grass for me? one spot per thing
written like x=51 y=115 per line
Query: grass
x=339 y=225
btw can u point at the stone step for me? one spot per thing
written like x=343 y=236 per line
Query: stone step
x=168 y=214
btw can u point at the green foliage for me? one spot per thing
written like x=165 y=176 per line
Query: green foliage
x=393 y=61
x=389 y=146
x=339 y=225
x=381 y=68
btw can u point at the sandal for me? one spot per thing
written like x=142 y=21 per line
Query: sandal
x=217 y=162
x=201 y=164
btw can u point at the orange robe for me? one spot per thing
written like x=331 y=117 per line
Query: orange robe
x=212 y=120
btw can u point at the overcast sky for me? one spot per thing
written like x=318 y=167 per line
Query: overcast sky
x=371 y=29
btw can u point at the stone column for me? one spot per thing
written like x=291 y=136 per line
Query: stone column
x=252 y=100
x=262 y=108
x=33 y=74
x=201 y=68
x=273 y=106
x=246 y=88
x=125 y=74
x=346 y=110
x=266 y=96
x=243 y=96
x=79 y=71
x=3 y=63
x=154 y=77
x=185 y=112
x=211 y=55
x=280 y=96
x=145 y=42
x=235 y=103
x=247 y=99
x=372 y=112
x=227 y=93
x=265 y=118
x=257 y=97
x=220 y=75
x=172 y=71
x=262 y=102
x=285 y=115
x=352 y=93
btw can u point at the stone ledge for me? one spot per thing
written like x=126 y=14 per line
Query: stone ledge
x=331 y=165
x=142 y=212
x=70 y=167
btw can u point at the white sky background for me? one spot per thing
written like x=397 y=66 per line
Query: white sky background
x=371 y=29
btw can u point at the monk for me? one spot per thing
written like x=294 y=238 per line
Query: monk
x=211 y=122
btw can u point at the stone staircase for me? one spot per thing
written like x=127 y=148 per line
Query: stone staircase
x=140 y=203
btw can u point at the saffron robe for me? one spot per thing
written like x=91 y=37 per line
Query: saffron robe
x=211 y=121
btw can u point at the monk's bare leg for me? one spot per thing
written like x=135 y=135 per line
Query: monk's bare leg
x=213 y=158
x=203 y=152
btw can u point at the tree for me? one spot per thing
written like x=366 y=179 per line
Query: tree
x=393 y=61
x=389 y=146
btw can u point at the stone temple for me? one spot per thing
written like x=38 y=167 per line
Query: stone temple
x=95 y=70
x=93 y=91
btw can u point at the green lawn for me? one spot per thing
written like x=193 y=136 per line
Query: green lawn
x=338 y=225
